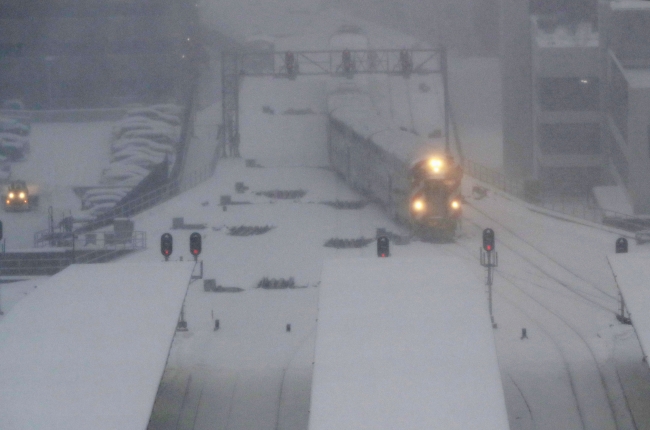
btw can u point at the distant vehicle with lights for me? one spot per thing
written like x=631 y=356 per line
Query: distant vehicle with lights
x=413 y=177
x=18 y=197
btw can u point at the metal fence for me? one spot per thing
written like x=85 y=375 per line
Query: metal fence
x=52 y=262
x=102 y=240
x=583 y=207
x=494 y=178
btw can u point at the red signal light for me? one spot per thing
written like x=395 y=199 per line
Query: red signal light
x=195 y=243
x=488 y=239
x=166 y=247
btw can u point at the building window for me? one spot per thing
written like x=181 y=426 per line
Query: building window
x=563 y=138
x=577 y=94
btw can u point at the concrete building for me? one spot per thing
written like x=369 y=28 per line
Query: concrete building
x=625 y=63
x=576 y=94
x=516 y=72
x=565 y=76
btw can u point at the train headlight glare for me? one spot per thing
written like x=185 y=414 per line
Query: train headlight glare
x=418 y=205
x=21 y=195
x=435 y=164
x=455 y=204
x=11 y=195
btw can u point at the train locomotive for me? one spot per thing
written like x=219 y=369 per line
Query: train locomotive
x=17 y=197
x=415 y=179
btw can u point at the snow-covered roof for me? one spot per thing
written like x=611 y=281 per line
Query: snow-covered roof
x=87 y=348
x=356 y=110
x=582 y=35
x=632 y=272
x=401 y=344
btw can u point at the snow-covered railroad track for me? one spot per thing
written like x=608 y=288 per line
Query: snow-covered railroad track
x=579 y=357
x=592 y=293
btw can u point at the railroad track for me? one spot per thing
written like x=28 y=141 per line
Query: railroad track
x=535 y=297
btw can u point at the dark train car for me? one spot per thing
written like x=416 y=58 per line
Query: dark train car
x=412 y=177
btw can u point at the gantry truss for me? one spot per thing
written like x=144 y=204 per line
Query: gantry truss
x=346 y=63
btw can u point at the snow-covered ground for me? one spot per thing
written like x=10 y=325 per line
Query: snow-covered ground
x=62 y=155
x=578 y=368
x=86 y=349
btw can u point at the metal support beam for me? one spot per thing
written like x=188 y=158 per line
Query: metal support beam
x=230 y=71
x=313 y=63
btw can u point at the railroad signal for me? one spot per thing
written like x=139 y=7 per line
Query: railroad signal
x=166 y=245
x=488 y=239
x=290 y=64
x=489 y=260
x=195 y=244
x=383 y=246
x=621 y=245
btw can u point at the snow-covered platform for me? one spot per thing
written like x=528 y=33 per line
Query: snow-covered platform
x=87 y=348
x=404 y=344
x=632 y=272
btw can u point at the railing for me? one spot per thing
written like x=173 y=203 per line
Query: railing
x=494 y=178
x=576 y=206
x=145 y=201
x=178 y=183
x=103 y=240
x=50 y=263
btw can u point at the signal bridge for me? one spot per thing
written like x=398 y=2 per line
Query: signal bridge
x=346 y=63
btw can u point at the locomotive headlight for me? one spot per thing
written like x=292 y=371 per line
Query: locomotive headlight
x=455 y=205
x=21 y=195
x=435 y=164
x=11 y=195
x=418 y=205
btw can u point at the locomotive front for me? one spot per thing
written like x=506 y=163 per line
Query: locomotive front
x=435 y=204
